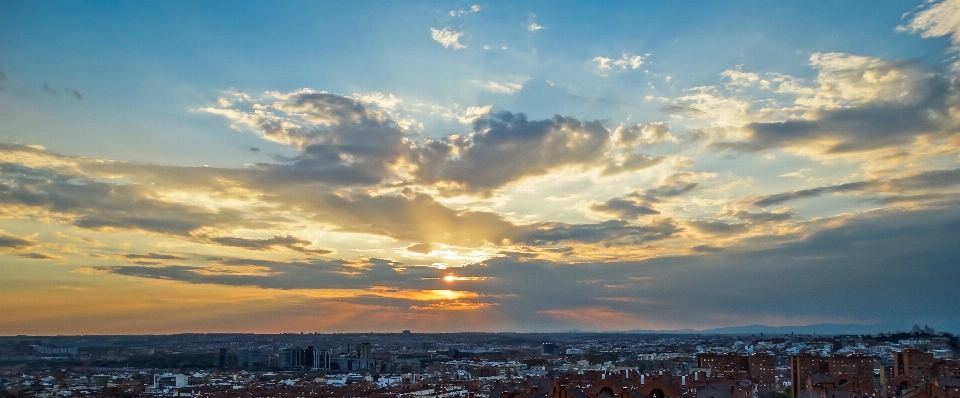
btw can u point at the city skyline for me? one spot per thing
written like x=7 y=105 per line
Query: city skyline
x=170 y=167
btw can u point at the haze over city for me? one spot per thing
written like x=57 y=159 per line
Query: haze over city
x=298 y=166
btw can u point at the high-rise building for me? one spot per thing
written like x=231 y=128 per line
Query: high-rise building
x=760 y=367
x=855 y=367
x=914 y=363
x=549 y=349
x=363 y=351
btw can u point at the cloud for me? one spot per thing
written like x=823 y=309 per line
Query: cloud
x=626 y=61
x=288 y=241
x=96 y=205
x=76 y=94
x=628 y=136
x=506 y=147
x=740 y=78
x=862 y=104
x=613 y=232
x=677 y=184
x=341 y=140
x=761 y=217
x=504 y=88
x=679 y=109
x=473 y=113
x=462 y=12
x=154 y=256
x=631 y=161
x=447 y=37
x=779 y=198
x=365 y=280
x=937 y=19
x=421 y=247
x=533 y=27
x=23 y=247
x=415 y=217
x=48 y=89
x=13 y=242
x=717 y=227
x=623 y=208
x=39 y=256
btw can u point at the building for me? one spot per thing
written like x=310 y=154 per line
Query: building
x=250 y=359
x=839 y=369
x=761 y=368
x=305 y=359
x=914 y=363
x=549 y=349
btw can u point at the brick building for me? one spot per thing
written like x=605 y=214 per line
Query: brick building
x=761 y=368
x=842 y=369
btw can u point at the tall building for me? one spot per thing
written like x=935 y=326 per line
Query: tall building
x=914 y=363
x=760 y=367
x=305 y=359
x=224 y=358
x=248 y=359
x=854 y=367
x=763 y=369
x=363 y=351
x=549 y=349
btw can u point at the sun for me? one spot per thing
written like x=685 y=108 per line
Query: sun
x=450 y=278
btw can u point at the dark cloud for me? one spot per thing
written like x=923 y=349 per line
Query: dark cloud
x=342 y=142
x=672 y=190
x=506 y=147
x=38 y=256
x=3 y=75
x=94 y=204
x=48 y=89
x=924 y=108
x=97 y=205
x=693 y=136
x=675 y=109
x=760 y=217
x=837 y=274
x=8 y=241
x=313 y=274
x=21 y=247
x=76 y=94
x=932 y=179
x=926 y=180
x=810 y=193
x=288 y=241
x=623 y=208
x=421 y=247
x=674 y=185
x=705 y=249
x=154 y=256
x=254 y=149
x=717 y=227
x=632 y=161
x=613 y=232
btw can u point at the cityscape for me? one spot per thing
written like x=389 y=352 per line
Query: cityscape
x=480 y=199
x=920 y=363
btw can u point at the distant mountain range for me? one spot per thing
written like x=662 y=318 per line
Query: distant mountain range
x=820 y=328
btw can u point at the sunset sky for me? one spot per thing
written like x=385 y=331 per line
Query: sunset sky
x=309 y=166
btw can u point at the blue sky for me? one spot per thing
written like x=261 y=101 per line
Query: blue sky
x=432 y=161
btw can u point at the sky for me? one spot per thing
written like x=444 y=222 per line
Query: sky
x=527 y=166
